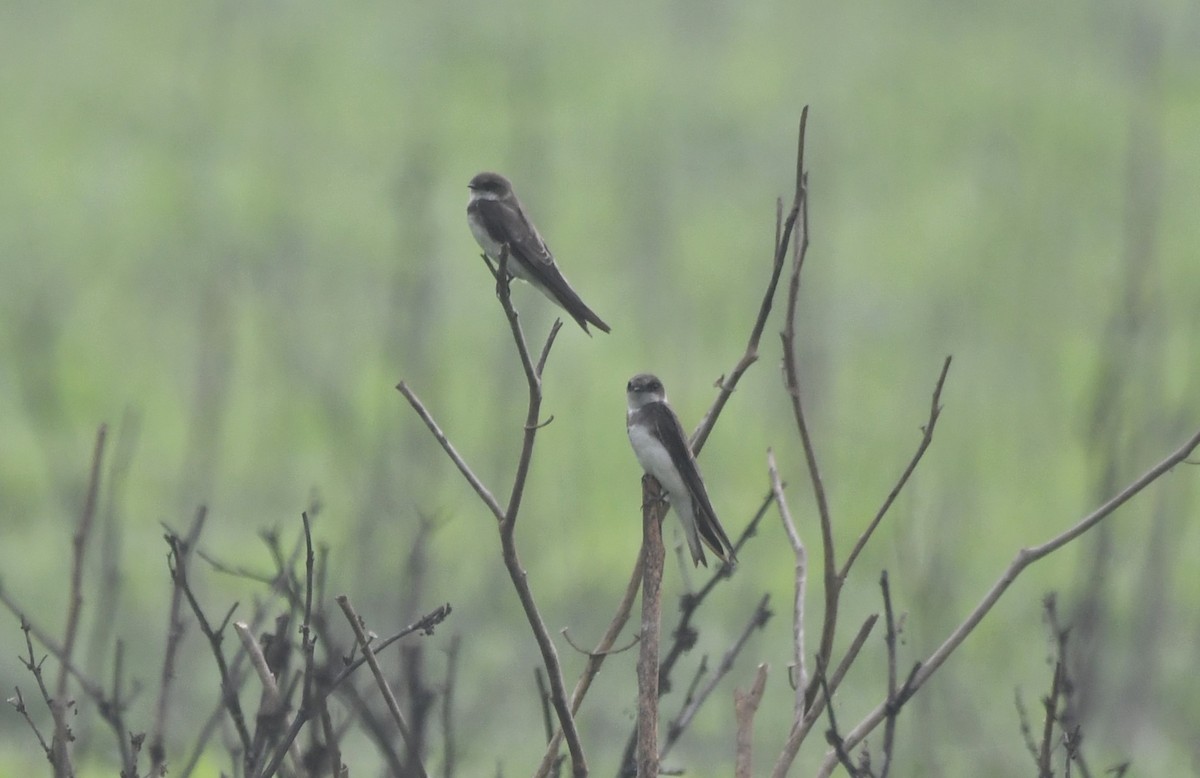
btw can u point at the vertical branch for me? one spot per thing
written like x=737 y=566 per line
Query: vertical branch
x=745 y=705
x=58 y=707
x=791 y=380
x=175 y=630
x=647 y=665
x=800 y=673
x=508 y=524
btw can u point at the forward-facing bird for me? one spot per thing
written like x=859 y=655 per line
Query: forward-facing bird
x=497 y=219
x=662 y=449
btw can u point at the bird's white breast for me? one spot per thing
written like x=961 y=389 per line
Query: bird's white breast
x=656 y=460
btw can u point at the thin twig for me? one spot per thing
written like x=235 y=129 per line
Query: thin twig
x=60 y=701
x=727 y=384
x=935 y=411
x=799 y=677
x=177 y=563
x=175 y=631
x=448 y=447
x=800 y=729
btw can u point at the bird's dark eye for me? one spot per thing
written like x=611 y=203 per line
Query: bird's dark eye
x=629 y=386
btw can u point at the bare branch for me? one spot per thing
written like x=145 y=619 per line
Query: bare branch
x=935 y=410
x=177 y=563
x=727 y=384
x=1023 y=559
x=425 y=625
x=414 y=756
x=653 y=510
x=800 y=676
x=175 y=630
x=273 y=706
x=745 y=705
x=448 y=447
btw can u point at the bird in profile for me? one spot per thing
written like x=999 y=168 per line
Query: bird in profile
x=497 y=219
x=662 y=449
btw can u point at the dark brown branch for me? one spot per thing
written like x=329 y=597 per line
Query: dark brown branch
x=175 y=630
x=177 y=563
x=508 y=517
x=59 y=702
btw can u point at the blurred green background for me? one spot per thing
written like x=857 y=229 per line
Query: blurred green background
x=229 y=229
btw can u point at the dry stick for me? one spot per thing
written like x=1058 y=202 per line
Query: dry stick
x=791 y=382
x=394 y=707
x=653 y=510
x=238 y=674
x=425 y=625
x=175 y=630
x=1023 y=559
x=896 y=697
x=379 y=731
x=800 y=678
x=745 y=704
x=831 y=735
x=62 y=758
x=448 y=447
x=273 y=704
x=1051 y=705
x=727 y=385
x=34 y=666
x=758 y=620
x=808 y=704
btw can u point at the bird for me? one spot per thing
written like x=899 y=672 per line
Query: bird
x=497 y=219
x=662 y=449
